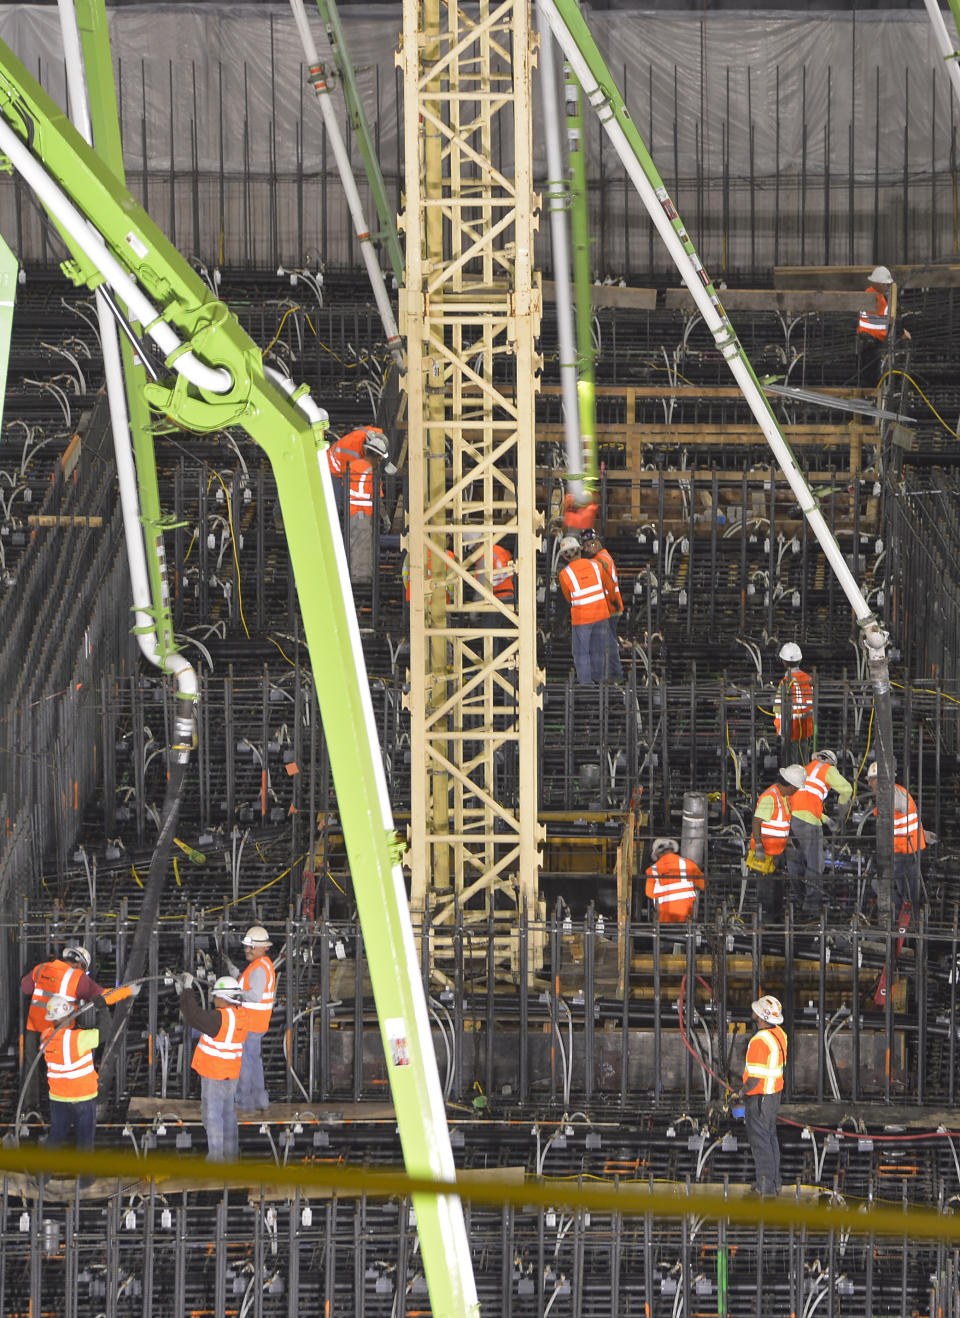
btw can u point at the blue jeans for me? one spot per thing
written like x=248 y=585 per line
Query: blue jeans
x=251 y=1091
x=591 y=642
x=76 y=1120
x=219 y=1116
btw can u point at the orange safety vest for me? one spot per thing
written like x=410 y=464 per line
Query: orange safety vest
x=766 y=1056
x=801 y=704
x=775 y=831
x=346 y=451
x=875 y=323
x=361 y=488
x=588 y=588
x=908 y=834
x=605 y=558
x=218 y=1056
x=258 y=1013
x=813 y=793
x=672 y=883
x=53 y=977
x=502 y=576
x=71 y=1073
x=579 y=517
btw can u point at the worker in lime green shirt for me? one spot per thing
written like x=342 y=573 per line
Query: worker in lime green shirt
x=806 y=829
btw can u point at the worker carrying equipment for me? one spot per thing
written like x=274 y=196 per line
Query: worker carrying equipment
x=763 y=1088
x=672 y=881
x=770 y=838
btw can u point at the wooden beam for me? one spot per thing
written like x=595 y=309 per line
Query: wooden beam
x=858 y=276
x=791 y=301
x=611 y=295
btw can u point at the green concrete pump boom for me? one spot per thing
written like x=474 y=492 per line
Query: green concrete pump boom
x=582 y=275
x=361 y=126
x=600 y=88
x=212 y=377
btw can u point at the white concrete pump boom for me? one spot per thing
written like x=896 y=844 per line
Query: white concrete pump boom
x=948 y=48
x=600 y=89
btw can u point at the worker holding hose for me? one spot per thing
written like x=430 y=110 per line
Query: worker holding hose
x=66 y=976
x=216 y=1059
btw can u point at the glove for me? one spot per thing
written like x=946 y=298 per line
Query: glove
x=758 y=850
x=830 y=823
x=134 y=989
x=233 y=970
x=187 y=980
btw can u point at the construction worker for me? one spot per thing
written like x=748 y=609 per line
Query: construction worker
x=672 y=881
x=216 y=1059
x=370 y=443
x=500 y=579
x=873 y=327
x=593 y=548
x=578 y=517
x=800 y=688
x=590 y=592
x=65 y=976
x=909 y=840
x=361 y=475
x=258 y=982
x=806 y=828
x=770 y=842
x=762 y=1090
x=71 y=1076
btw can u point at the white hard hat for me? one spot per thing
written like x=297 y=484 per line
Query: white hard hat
x=791 y=653
x=661 y=845
x=58 y=1007
x=256 y=936
x=80 y=955
x=375 y=445
x=768 y=1009
x=880 y=275
x=872 y=771
x=569 y=546
x=826 y=757
x=228 y=987
x=794 y=774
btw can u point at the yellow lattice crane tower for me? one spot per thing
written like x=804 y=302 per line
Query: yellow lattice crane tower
x=470 y=312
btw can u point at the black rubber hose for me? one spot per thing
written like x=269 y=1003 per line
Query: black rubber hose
x=147 y=923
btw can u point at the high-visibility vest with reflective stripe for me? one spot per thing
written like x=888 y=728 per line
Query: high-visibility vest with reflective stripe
x=672 y=883
x=53 y=977
x=875 y=323
x=775 y=830
x=585 y=591
x=218 y=1056
x=604 y=557
x=71 y=1073
x=502 y=576
x=258 y=1013
x=801 y=704
x=813 y=793
x=908 y=834
x=345 y=451
x=766 y=1055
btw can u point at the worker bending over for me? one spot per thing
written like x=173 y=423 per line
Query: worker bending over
x=672 y=881
x=909 y=840
x=806 y=829
x=762 y=1089
x=258 y=984
x=771 y=847
x=369 y=444
x=216 y=1059
x=796 y=687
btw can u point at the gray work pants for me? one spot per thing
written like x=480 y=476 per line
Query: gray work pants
x=219 y=1116
x=361 y=548
x=761 y=1114
x=806 y=863
x=251 y=1095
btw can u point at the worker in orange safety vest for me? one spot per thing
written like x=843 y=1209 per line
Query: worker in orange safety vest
x=258 y=982
x=763 y=1089
x=593 y=548
x=590 y=593
x=370 y=443
x=800 y=688
x=65 y=976
x=71 y=1077
x=909 y=839
x=672 y=881
x=806 y=828
x=873 y=327
x=216 y=1059
x=770 y=839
